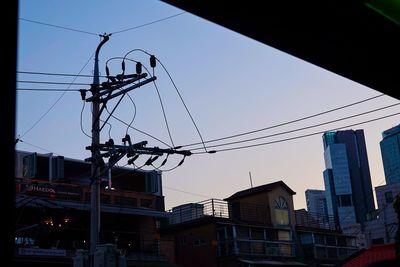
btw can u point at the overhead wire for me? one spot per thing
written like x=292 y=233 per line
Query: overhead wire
x=163 y=111
x=300 y=136
x=53 y=105
x=186 y=192
x=162 y=106
x=75 y=76
x=96 y=34
x=147 y=24
x=38 y=147
x=48 y=90
x=48 y=82
x=176 y=89
x=109 y=129
x=140 y=131
x=288 y=122
x=299 y=129
x=133 y=102
x=134 y=114
x=58 y=74
x=158 y=93
x=81 y=120
x=58 y=26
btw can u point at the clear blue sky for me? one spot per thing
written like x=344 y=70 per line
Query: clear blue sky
x=231 y=84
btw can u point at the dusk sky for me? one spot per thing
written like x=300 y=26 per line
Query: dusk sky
x=230 y=83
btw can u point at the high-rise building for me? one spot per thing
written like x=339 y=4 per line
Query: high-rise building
x=347 y=177
x=316 y=202
x=390 y=151
x=382 y=227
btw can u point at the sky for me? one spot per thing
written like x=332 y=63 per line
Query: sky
x=231 y=84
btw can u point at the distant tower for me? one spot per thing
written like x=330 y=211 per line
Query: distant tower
x=347 y=178
x=390 y=151
x=316 y=202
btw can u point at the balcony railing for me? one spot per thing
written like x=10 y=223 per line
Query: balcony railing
x=81 y=193
x=332 y=252
x=316 y=220
x=192 y=211
x=256 y=248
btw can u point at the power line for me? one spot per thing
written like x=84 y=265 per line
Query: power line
x=47 y=82
x=299 y=129
x=57 y=74
x=59 y=27
x=158 y=93
x=177 y=91
x=38 y=147
x=140 y=131
x=81 y=120
x=52 y=106
x=298 y=137
x=134 y=115
x=162 y=106
x=288 y=122
x=186 y=192
x=147 y=24
x=49 y=90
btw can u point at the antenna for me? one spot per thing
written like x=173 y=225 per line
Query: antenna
x=251 y=181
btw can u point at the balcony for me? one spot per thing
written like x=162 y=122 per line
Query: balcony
x=193 y=211
x=73 y=193
x=264 y=248
x=315 y=220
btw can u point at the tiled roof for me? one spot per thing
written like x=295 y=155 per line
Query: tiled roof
x=372 y=255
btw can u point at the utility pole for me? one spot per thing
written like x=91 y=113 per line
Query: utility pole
x=95 y=168
x=115 y=86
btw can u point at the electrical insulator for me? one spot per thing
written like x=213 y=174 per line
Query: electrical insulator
x=107 y=71
x=123 y=66
x=163 y=163
x=180 y=163
x=152 y=61
x=132 y=160
x=83 y=94
x=138 y=68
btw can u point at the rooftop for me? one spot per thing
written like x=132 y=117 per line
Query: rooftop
x=260 y=189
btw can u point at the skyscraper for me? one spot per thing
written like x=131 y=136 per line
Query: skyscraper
x=316 y=202
x=390 y=151
x=347 y=178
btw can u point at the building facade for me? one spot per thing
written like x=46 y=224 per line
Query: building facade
x=382 y=227
x=316 y=202
x=254 y=227
x=390 y=151
x=347 y=177
x=53 y=211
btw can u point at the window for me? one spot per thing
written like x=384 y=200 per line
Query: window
x=242 y=233
x=389 y=197
x=285 y=250
x=281 y=211
x=319 y=239
x=257 y=234
x=283 y=235
x=306 y=238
